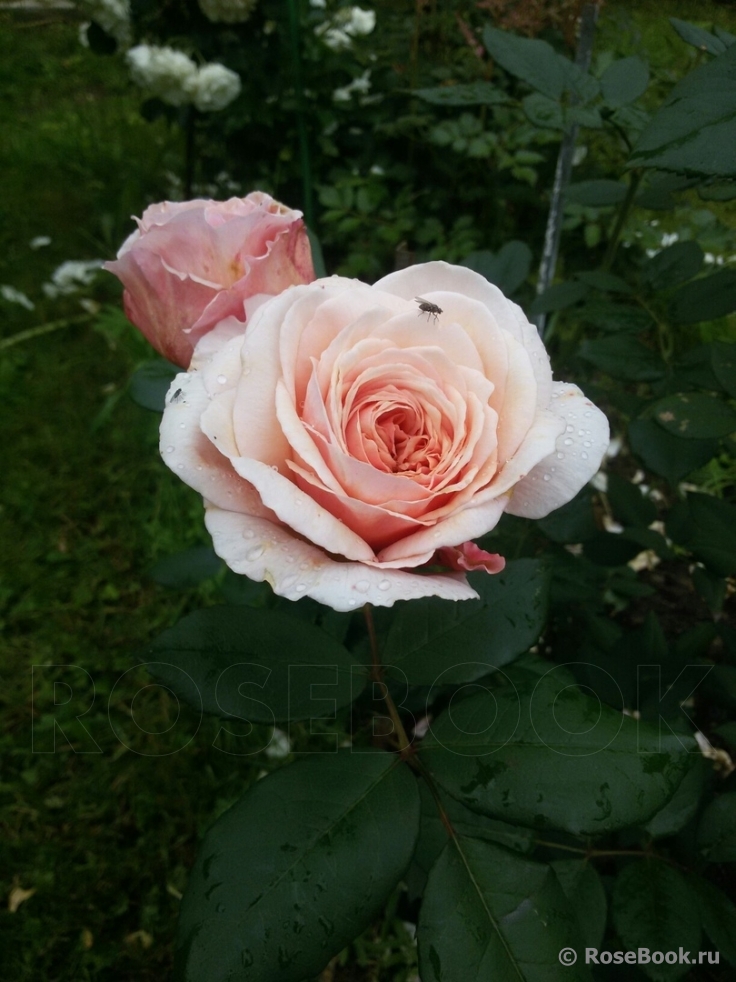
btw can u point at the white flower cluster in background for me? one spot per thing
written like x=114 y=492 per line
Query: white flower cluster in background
x=12 y=295
x=359 y=86
x=227 y=11
x=113 y=16
x=71 y=276
x=349 y=23
x=174 y=78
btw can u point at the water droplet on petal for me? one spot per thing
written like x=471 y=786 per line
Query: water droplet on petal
x=584 y=455
x=384 y=585
x=545 y=477
x=288 y=580
x=568 y=442
x=301 y=587
x=180 y=467
x=588 y=414
x=182 y=426
x=304 y=565
x=362 y=586
x=560 y=456
x=255 y=553
x=569 y=429
x=587 y=443
x=248 y=534
x=199 y=467
x=222 y=379
x=352 y=603
x=169 y=449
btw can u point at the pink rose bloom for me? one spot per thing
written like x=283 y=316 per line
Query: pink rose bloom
x=347 y=439
x=191 y=264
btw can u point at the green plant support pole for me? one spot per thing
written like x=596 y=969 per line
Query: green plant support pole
x=547 y=266
x=301 y=113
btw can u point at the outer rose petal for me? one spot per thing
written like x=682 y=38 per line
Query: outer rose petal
x=577 y=456
x=470 y=557
x=264 y=551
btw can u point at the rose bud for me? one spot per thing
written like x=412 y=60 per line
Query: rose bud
x=191 y=264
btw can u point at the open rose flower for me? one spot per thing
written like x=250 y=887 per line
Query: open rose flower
x=191 y=264
x=346 y=439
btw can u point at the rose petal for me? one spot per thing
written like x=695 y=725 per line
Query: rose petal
x=578 y=452
x=470 y=557
x=264 y=551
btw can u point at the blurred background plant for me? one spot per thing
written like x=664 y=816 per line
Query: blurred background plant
x=406 y=130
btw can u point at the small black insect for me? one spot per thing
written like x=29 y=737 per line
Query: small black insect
x=176 y=396
x=428 y=308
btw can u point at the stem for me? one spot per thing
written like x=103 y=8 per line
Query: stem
x=563 y=168
x=377 y=677
x=623 y=214
x=189 y=150
x=34 y=332
x=301 y=116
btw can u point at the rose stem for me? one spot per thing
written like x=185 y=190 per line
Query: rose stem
x=377 y=677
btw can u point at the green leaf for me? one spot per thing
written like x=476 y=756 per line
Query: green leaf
x=587 y=898
x=673 y=265
x=534 y=62
x=707 y=527
x=624 y=357
x=188 y=568
x=723 y=362
x=546 y=755
x=717 y=830
x=629 y=505
x=617 y=317
x=718 y=915
x=558 y=297
x=150 y=382
x=610 y=549
x=694 y=129
x=624 y=81
x=297 y=868
x=490 y=914
x=606 y=282
x=670 y=456
x=507 y=269
x=725 y=36
x=543 y=111
x=584 y=116
x=429 y=639
x=695 y=415
x=705 y=299
x=697 y=36
x=255 y=664
x=573 y=522
x=596 y=194
x=653 y=907
x=717 y=191
x=470 y=94
x=684 y=803
x=433 y=834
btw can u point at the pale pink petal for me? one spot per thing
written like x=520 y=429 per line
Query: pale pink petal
x=577 y=455
x=470 y=557
x=301 y=512
x=264 y=551
x=470 y=523
x=430 y=278
x=193 y=457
